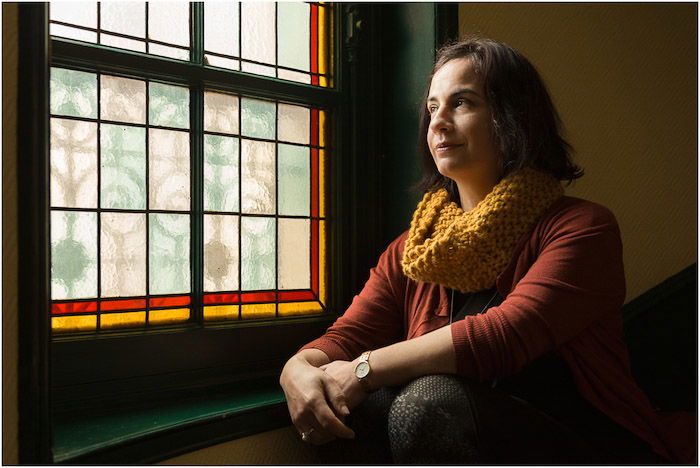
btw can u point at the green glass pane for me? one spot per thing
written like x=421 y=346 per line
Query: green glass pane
x=294 y=180
x=257 y=118
x=123 y=167
x=169 y=253
x=73 y=255
x=220 y=173
x=293 y=35
x=73 y=93
x=258 y=253
x=169 y=106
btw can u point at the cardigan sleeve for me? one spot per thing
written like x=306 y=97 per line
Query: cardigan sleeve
x=576 y=279
x=375 y=317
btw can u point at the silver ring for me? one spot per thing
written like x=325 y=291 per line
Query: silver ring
x=306 y=436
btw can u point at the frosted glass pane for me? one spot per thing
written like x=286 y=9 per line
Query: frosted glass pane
x=293 y=35
x=257 y=118
x=220 y=173
x=258 y=177
x=169 y=253
x=293 y=76
x=122 y=43
x=221 y=62
x=220 y=253
x=221 y=27
x=123 y=173
x=122 y=99
x=73 y=33
x=294 y=254
x=169 y=105
x=220 y=112
x=258 y=69
x=123 y=254
x=258 y=253
x=169 y=169
x=294 y=180
x=294 y=123
x=73 y=255
x=124 y=17
x=165 y=51
x=73 y=93
x=73 y=163
x=80 y=13
x=169 y=22
x=258 y=31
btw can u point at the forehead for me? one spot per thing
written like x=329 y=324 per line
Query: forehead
x=455 y=73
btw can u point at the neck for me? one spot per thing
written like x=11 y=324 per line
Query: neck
x=472 y=192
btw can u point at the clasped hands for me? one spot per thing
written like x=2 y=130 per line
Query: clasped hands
x=320 y=398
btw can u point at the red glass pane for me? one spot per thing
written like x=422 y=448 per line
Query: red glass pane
x=220 y=298
x=123 y=304
x=258 y=297
x=169 y=301
x=314 y=256
x=314 y=44
x=296 y=296
x=68 y=307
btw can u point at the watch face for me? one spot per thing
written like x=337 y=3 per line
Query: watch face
x=362 y=370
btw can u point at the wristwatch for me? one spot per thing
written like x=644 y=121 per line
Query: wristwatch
x=363 y=370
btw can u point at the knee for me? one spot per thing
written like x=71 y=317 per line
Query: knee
x=430 y=420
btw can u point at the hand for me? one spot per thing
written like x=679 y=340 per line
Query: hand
x=315 y=401
x=343 y=372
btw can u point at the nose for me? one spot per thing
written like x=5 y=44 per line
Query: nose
x=440 y=120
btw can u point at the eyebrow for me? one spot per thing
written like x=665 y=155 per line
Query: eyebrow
x=456 y=93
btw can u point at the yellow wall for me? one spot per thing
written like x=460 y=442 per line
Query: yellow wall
x=9 y=234
x=624 y=78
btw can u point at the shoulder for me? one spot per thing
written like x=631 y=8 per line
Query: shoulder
x=575 y=214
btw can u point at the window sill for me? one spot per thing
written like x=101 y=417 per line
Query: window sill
x=161 y=431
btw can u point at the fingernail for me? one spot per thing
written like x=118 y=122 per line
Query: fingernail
x=345 y=410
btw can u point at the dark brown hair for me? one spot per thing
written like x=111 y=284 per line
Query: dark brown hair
x=525 y=125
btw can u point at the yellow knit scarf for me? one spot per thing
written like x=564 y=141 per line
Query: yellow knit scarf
x=467 y=250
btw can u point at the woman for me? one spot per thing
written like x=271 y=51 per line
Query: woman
x=491 y=331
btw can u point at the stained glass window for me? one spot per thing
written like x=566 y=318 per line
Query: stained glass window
x=124 y=159
x=286 y=40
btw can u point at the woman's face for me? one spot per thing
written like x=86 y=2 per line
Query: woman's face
x=459 y=134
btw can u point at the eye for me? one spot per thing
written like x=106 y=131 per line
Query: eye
x=463 y=102
x=432 y=108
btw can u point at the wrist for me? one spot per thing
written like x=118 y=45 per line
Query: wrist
x=363 y=371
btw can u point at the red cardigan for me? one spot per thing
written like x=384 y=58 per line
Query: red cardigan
x=563 y=289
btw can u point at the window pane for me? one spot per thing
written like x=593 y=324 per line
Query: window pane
x=123 y=173
x=165 y=51
x=294 y=254
x=220 y=173
x=294 y=122
x=169 y=106
x=258 y=253
x=122 y=43
x=258 y=177
x=73 y=255
x=169 y=169
x=73 y=163
x=123 y=254
x=124 y=17
x=72 y=33
x=294 y=180
x=78 y=13
x=122 y=99
x=220 y=253
x=257 y=118
x=220 y=113
x=221 y=27
x=169 y=22
x=258 y=31
x=73 y=93
x=169 y=253
x=293 y=35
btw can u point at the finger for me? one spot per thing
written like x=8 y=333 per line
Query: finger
x=336 y=397
x=330 y=422
x=320 y=437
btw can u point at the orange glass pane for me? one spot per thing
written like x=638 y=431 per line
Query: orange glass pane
x=159 y=317
x=299 y=308
x=322 y=264
x=220 y=313
x=123 y=320
x=257 y=311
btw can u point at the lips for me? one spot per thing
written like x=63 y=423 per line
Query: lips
x=440 y=147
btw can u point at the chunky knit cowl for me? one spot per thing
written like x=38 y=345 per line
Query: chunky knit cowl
x=467 y=250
